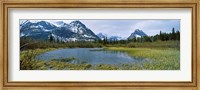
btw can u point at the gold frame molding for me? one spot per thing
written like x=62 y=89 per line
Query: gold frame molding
x=194 y=4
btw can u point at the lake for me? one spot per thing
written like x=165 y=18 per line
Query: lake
x=91 y=56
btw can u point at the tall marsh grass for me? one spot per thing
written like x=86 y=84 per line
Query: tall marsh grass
x=160 y=59
x=27 y=58
x=162 y=55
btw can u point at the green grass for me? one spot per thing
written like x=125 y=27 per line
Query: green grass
x=157 y=44
x=56 y=65
x=162 y=55
x=27 y=61
x=64 y=59
x=161 y=59
x=105 y=67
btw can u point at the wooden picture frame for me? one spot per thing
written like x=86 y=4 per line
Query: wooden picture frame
x=193 y=4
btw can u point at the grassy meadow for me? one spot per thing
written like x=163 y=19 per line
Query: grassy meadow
x=163 y=55
x=106 y=45
x=162 y=59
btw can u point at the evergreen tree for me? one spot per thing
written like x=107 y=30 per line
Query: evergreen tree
x=161 y=36
x=51 y=37
x=177 y=35
x=173 y=34
x=58 y=41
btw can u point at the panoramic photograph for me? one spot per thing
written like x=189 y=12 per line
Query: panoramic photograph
x=99 y=44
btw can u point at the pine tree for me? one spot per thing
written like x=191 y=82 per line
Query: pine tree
x=161 y=36
x=58 y=41
x=51 y=37
x=177 y=35
x=173 y=34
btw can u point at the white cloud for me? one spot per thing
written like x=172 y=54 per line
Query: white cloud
x=152 y=27
x=124 y=28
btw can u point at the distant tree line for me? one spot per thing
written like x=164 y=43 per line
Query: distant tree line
x=174 y=35
x=29 y=43
x=162 y=36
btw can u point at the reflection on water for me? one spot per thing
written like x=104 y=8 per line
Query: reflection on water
x=90 y=55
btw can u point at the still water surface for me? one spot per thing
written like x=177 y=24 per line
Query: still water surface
x=90 y=55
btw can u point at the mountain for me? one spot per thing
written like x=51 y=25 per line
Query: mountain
x=36 y=30
x=115 y=38
x=102 y=36
x=137 y=33
x=41 y=25
x=59 y=23
x=74 y=31
x=82 y=30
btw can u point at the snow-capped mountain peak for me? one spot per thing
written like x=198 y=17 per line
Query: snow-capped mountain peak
x=137 y=33
x=75 y=31
x=77 y=23
x=59 y=23
x=46 y=25
x=115 y=38
x=102 y=35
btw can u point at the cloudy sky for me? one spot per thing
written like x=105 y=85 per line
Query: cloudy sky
x=124 y=28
